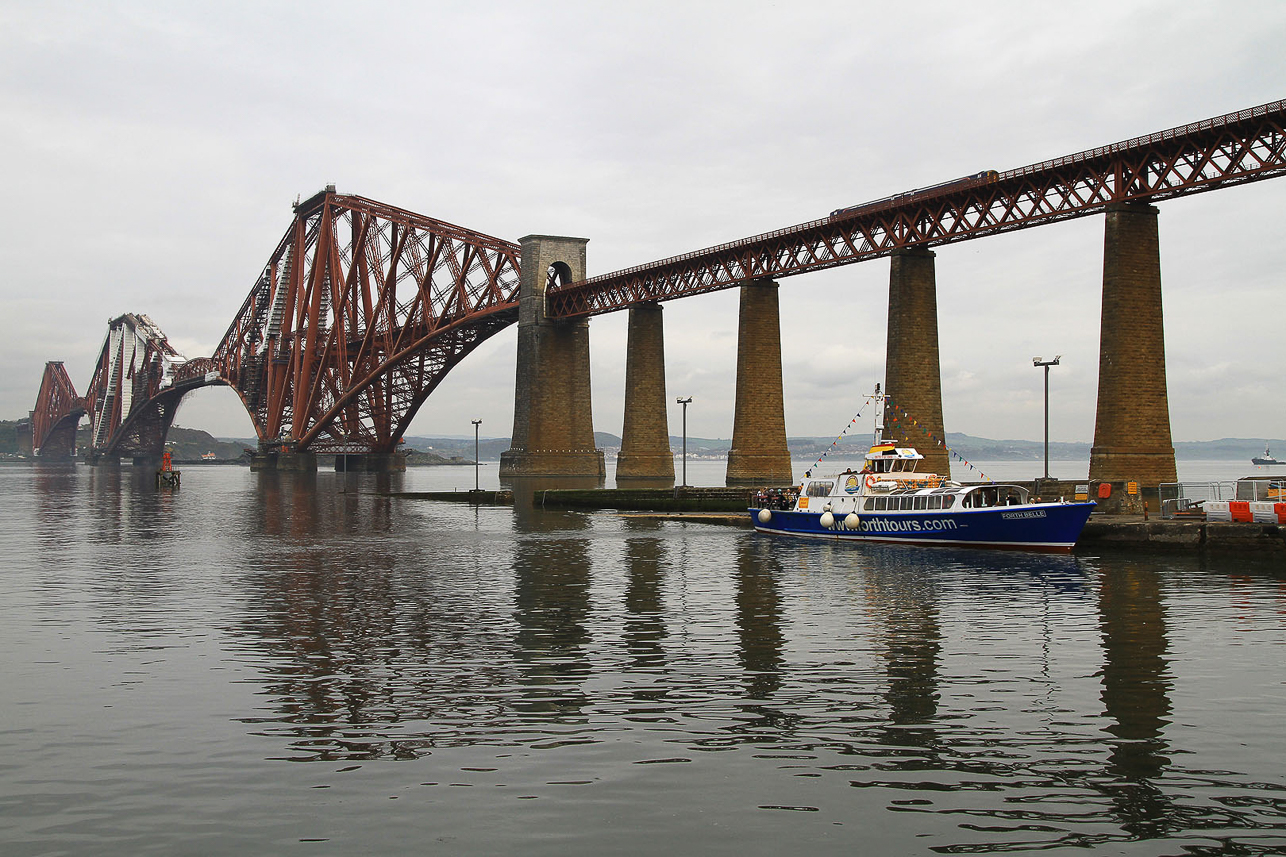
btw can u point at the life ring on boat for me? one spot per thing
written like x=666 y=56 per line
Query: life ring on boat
x=871 y=479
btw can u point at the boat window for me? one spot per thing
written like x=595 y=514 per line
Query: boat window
x=1012 y=496
x=921 y=502
x=870 y=503
x=820 y=489
x=948 y=501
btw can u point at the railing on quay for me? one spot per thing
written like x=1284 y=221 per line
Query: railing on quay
x=1186 y=499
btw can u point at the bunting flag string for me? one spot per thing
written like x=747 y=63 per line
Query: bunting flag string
x=899 y=414
x=840 y=437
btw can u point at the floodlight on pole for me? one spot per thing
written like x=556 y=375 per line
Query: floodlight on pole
x=685 y=402
x=1036 y=361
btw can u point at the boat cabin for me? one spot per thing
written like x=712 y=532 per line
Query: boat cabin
x=887 y=458
x=888 y=482
x=901 y=491
x=952 y=497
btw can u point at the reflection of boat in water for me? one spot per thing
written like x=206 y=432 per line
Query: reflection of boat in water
x=1266 y=458
x=888 y=501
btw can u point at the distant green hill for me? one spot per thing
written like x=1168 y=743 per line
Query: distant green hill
x=191 y=444
x=969 y=446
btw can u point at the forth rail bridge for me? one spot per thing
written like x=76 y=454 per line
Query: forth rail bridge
x=363 y=308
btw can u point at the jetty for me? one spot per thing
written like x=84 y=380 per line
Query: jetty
x=1111 y=529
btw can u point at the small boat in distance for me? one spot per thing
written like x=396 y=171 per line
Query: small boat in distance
x=888 y=500
x=1265 y=459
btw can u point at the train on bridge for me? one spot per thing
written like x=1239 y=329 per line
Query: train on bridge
x=984 y=177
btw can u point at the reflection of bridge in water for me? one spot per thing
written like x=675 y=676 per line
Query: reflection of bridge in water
x=882 y=671
x=363 y=308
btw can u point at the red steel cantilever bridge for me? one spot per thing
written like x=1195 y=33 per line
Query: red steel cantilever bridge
x=363 y=308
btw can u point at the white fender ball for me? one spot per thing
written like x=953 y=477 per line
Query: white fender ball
x=851 y=521
x=764 y=516
x=827 y=520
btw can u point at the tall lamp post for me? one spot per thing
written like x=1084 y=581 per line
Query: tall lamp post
x=476 y=423
x=1036 y=361
x=685 y=402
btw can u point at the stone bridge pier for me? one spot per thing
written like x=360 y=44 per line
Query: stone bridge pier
x=1132 y=440
x=912 y=370
x=645 y=460
x=759 y=455
x=553 y=433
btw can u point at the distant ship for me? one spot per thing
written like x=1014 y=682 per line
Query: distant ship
x=1266 y=458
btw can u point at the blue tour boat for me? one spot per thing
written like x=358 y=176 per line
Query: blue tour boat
x=888 y=500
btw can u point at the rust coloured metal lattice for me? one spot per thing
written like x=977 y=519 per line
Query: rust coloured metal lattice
x=1235 y=148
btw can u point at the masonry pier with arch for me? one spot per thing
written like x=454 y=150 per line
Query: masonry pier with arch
x=553 y=432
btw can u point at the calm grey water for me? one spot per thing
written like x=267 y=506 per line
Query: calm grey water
x=278 y=664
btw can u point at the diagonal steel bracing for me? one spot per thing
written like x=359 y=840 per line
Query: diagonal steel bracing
x=360 y=312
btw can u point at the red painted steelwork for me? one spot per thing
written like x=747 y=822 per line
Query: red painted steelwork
x=361 y=311
x=1240 y=147
x=363 y=308
x=131 y=400
x=57 y=414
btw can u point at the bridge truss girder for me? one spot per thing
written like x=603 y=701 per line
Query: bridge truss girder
x=1246 y=146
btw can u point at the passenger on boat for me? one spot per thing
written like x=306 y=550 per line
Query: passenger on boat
x=774 y=498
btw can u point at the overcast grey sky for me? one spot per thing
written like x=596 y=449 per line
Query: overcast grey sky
x=153 y=151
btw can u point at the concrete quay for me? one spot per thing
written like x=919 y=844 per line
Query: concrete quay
x=679 y=499
x=477 y=498
x=1195 y=536
x=726 y=506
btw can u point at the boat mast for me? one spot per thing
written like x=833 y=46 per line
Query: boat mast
x=879 y=417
